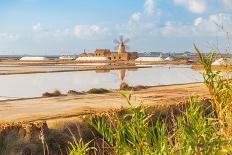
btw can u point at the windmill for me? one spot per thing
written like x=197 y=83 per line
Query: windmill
x=121 y=44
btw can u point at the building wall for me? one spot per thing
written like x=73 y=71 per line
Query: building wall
x=115 y=56
x=119 y=56
x=102 y=52
x=133 y=55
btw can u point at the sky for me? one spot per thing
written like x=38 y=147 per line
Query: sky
x=69 y=26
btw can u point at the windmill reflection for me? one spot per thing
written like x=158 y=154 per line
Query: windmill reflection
x=122 y=74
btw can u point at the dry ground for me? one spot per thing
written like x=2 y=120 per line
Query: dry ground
x=72 y=106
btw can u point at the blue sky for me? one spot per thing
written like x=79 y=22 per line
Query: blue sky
x=69 y=26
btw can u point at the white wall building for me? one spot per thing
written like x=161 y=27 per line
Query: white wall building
x=92 y=59
x=149 y=59
x=222 y=61
x=33 y=58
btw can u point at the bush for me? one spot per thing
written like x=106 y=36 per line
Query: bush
x=98 y=91
x=56 y=93
x=126 y=87
x=46 y=94
x=73 y=93
x=139 y=87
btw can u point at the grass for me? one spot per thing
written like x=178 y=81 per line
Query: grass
x=196 y=129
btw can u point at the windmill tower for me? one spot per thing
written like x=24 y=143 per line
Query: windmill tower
x=121 y=44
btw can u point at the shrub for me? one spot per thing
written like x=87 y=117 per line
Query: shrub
x=73 y=93
x=56 y=93
x=139 y=87
x=98 y=91
x=125 y=86
x=46 y=94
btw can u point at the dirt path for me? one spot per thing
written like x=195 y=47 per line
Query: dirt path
x=70 y=106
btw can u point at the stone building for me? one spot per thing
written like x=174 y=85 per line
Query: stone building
x=121 y=55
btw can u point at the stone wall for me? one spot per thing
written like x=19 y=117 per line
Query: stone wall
x=114 y=56
x=119 y=56
x=102 y=52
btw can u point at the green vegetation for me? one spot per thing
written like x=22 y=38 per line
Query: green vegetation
x=98 y=91
x=56 y=93
x=79 y=147
x=198 y=128
x=73 y=93
x=124 y=86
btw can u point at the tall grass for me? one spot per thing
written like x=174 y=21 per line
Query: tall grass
x=201 y=128
x=132 y=133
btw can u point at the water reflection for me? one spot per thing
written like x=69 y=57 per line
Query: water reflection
x=102 y=71
x=32 y=85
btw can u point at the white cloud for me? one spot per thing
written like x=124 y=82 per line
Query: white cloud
x=195 y=6
x=90 y=32
x=176 y=29
x=149 y=7
x=198 y=21
x=199 y=27
x=9 y=36
x=136 y=17
x=62 y=32
x=37 y=27
x=49 y=33
x=227 y=3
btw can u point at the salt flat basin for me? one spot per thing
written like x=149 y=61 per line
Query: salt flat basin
x=33 y=85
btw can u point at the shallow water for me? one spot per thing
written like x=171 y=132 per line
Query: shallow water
x=33 y=85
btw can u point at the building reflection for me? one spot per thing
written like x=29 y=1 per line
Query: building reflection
x=122 y=74
x=102 y=71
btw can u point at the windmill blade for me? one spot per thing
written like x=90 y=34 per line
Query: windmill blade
x=121 y=38
x=127 y=47
x=116 y=41
x=127 y=40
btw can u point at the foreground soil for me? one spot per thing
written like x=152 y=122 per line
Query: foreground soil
x=64 y=107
